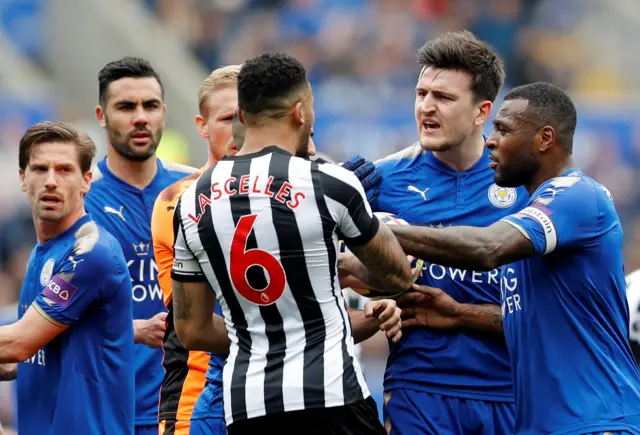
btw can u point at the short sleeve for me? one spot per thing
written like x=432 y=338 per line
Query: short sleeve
x=163 y=238
x=186 y=267
x=77 y=285
x=559 y=216
x=355 y=220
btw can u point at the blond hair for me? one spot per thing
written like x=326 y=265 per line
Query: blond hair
x=221 y=77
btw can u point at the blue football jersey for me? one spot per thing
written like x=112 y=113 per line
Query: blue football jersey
x=209 y=403
x=566 y=316
x=422 y=190
x=82 y=381
x=125 y=211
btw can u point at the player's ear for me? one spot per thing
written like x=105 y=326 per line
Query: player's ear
x=298 y=114
x=100 y=116
x=86 y=182
x=240 y=115
x=23 y=185
x=201 y=124
x=483 y=112
x=547 y=138
x=164 y=115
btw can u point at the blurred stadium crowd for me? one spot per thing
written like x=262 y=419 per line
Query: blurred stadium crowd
x=361 y=58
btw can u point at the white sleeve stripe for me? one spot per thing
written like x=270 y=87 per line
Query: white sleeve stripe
x=517 y=227
x=550 y=235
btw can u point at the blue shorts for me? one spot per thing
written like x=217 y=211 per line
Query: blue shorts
x=147 y=430
x=421 y=413
x=208 y=426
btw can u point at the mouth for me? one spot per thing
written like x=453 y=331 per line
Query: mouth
x=494 y=162
x=50 y=200
x=430 y=126
x=141 y=137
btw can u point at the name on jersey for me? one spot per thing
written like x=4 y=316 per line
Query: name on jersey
x=250 y=185
x=59 y=291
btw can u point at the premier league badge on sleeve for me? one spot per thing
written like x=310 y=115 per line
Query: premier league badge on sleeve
x=502 y=197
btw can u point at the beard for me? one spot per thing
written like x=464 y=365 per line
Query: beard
x=519 y=173
x=303 y=148
x=120 y=143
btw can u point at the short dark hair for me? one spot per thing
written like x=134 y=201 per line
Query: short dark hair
x=267 y=82
x=462 y=51
x=549 y=105
x=57 y=132
x=135 y=67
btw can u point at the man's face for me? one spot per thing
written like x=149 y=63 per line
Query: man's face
x=54 y=181
x=512 y=143
x=444 y=108
x=134 y=117
x=215 y=125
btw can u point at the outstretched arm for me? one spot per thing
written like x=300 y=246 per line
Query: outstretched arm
x=465 y=247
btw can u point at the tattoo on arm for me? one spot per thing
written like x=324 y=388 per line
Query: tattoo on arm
x=181 y=302
x=384 y=264
x=481 y=317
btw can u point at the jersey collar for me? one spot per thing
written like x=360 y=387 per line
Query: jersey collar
x=106 y=173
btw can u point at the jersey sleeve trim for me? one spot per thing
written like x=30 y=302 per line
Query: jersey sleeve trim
x=517 y=227
x=43 y=313
x=364 y=237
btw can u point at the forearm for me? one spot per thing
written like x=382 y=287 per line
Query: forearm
x=209 y=337
x=462 y=247
x=361 y=327
x=137 y=330
x=480 y=317
x=11 y=350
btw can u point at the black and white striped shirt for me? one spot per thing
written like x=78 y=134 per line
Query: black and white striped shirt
x=291 y=343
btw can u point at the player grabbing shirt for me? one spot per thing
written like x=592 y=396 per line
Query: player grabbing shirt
x=566 y=317
x=75 y=334
x=125 y=186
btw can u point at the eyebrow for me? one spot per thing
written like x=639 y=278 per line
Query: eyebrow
x=129 y=102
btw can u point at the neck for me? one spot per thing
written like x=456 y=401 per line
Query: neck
x=137 y=174
x=258 y=138
x=549 y=171
x=465 y=155
x=47 y=230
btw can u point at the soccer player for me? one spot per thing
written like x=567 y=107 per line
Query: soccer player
x=187 y=372
x=261 y=229
x=444 y=378
x=125 y=186
x=565 y=313
x=74 y=336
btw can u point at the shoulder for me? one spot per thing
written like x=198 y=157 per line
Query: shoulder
x=96 y=248
x=337 y=173
x=405 y=155
x=170 y=194
x=176 y=170
x=575 y=189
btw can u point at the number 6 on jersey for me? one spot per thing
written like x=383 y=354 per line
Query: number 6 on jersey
x=242 y=259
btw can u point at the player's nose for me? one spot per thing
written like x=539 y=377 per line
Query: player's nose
x=428 y=105
x=140 y=117
x=51 y=182
x=492 y=141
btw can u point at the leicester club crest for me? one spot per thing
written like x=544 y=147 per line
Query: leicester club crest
x=502 y=197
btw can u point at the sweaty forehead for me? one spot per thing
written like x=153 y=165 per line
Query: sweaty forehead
x=445 y=79
x=135 y=89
